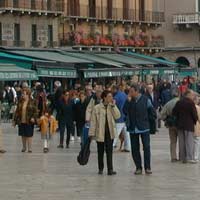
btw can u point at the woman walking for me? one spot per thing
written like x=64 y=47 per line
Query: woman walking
x=25 y=117
x=103 y=128
x=65 y=119
x=79 y=113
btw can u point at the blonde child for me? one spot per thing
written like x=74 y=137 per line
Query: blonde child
x=48 y=126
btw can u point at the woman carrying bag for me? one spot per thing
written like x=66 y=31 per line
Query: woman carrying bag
x=103 y=129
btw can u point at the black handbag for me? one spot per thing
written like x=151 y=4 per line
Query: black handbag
x=152 y=120
x=84 y=154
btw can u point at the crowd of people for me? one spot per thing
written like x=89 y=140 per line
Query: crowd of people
x=116 y=113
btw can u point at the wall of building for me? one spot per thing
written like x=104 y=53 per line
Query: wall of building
x=192 y=56
x=174 y=37
x=26 y=21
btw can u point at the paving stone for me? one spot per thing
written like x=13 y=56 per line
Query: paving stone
x=57 y=175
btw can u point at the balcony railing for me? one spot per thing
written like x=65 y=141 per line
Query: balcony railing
x=187 y=18
x=52 y=44
x=36 y=43
x=117 y=14
x=18 y=43
x=33 y=5
x=3 y=43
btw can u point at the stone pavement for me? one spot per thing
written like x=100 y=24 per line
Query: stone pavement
x=57 y=176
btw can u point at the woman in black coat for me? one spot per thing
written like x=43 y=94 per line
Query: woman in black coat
x=79 y=113
x=65 y=118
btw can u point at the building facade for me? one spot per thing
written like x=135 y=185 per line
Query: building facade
x=111 y=23
x=181 y=32
x=30 y=23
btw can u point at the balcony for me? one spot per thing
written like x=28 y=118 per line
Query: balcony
x=141 y=41
x=187 y=19
x=18 y=43
x=3 y=43
x=32 y=7
x=52 y=44
x=116 y=15
x=36 y=44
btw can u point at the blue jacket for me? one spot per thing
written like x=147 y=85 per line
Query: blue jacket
x=165 y=96
x=120 y=98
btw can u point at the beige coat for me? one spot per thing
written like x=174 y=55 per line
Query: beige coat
x=89 y=110
x=98 y=121
x=197 y=126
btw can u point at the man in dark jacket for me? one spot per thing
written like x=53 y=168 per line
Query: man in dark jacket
x=120 y=98
x=186 y=118
x=137 y=119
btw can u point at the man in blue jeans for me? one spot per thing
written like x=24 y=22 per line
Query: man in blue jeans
x=137 y=110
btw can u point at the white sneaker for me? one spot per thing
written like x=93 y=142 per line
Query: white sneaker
x=192 y=161
x=79 y=138
x=72 y=138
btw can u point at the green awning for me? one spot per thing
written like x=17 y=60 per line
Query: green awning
x=159 y=71
x=106 y=72
x=125 y=59
x=95 y=58
x=56 y=72
x=183 y=72
x=150 y=58
x=14 y=73
x=51 y=55
x=12 y=56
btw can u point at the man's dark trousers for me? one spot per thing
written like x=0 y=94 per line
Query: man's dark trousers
x=135 y=146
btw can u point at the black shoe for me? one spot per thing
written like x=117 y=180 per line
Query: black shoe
x=67 y=146
x=29 y=151
x=60 y=146
x=148 y=172
x=45 y=150
x=138 y=172
x=111 y=173
x=23 y=150
x=100 y=172
x=2 y=151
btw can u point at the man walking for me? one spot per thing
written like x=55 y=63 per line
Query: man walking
x=186 y=118
x=138 y=109
x=120 y=98
x=167 y=116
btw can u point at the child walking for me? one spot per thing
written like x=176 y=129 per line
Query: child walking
x=48 y=126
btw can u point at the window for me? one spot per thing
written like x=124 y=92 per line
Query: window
x=92 y=8
x=109 y=8
x=16 y=3
x=198 y=5
x=73 y=7
x=49 y=3
x=0 y=31
x=33 y=7
x=34 y=32
x=126 y=9
x=142 y=10
x=183 y=61
x=17 y=32
x=50 y=33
